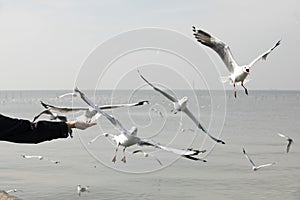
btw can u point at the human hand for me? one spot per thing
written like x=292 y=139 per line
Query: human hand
x=83 y=125
x=80 y=124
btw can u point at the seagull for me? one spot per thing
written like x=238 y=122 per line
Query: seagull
x=54 y=161
x=181 y=105
x=128 y=138
x=29 y=157
x=290 y=141
x=158 y=112
x=187 y=129
x=89 y=112
x=237 y=73
x=146 y=155
x=13 y=190
x=81 y=189
x=53 y=116
x=254 y=167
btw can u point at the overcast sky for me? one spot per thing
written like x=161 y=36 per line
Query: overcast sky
x=44 y=44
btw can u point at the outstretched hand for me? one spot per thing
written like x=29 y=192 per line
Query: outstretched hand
x=80 y=124
x=84 y=125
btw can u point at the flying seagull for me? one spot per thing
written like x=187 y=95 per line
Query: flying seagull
x=289 y=140
x=254 y=167
x=52 y=115
x=158 y=112
x=128 y=138
x=237 y=73
x=89 y=112
x=146 y=155
x=29 y=157
x=181 y=105
x=81 y=189
x=13 y=190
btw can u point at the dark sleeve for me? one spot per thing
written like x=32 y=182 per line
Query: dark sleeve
x=24 y=131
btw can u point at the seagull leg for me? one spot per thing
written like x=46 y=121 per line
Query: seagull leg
x=124 y=157
x=115 y=157
x=234 y=90
x=246 y=91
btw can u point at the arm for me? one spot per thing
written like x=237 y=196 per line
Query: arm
x=23 y=131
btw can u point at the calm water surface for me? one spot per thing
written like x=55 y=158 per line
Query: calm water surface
x=249 y=121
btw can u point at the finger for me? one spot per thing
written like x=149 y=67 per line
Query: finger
x=93 y=123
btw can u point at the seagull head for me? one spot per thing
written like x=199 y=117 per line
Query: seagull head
x=246 y=69
x=133 y=130
x=184 y=100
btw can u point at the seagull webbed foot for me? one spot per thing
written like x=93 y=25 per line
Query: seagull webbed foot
x=114 y=159
x=123 y=159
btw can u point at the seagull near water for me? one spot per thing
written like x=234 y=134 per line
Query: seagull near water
x=30 y=157
x=146 y=155
x=81 y=189
x=254 y=167
x=13 y=190
x=40 y=158
x=237 y=73
x=128 y=138
x=52 y=115
x=289 y=140
x=181 y=105
x=90 y=112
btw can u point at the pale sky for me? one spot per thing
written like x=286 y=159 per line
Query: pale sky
x=45 y=43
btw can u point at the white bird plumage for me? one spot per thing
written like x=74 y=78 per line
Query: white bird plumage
x=254 y=167
x=90 y=112
x=146 y=155
x=237 y=73
x=289 y=140
x=181 y=105
x=29 y=157
x=128 y=138
x=81 y=189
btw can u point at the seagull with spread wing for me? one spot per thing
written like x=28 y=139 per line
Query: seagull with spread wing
x=52 y=115
x=289 y=140
x=238 y=73
x=128 y=138
x=254 y=167
x=181 y=105
x=89 y=112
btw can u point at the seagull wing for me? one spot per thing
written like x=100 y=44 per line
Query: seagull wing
x=289 y=145
x=247 y=156
x=218 y=46
x=63 y=109
x=189 y=153
x=190 y=114
x=67 y=94
x=281 y=135
x=194 y=158
x=47 y=111
x=140 y=103
x=111 y=118
x=170 y=97
x=265 y=165
x=264 y=55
